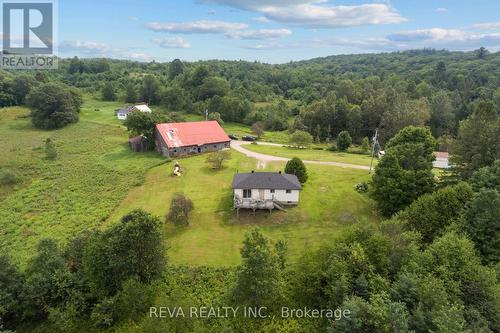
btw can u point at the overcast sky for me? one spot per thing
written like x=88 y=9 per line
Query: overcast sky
x=273 y=31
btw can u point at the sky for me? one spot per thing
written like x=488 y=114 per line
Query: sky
x=271 y=31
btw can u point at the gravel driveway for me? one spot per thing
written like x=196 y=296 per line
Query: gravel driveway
x=263 y=159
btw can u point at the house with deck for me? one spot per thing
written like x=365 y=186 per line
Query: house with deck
x=123 y=113
x=187 y=138
x=265 y=190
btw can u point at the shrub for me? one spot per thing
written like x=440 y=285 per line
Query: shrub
x=216 y=159
x=50 y=150
x=296 y=167
x=361 y=187
x=301 y=139
x=103 y=314
x=7 y=177
x=332 y=148
x=365 y=145
x=180 y=208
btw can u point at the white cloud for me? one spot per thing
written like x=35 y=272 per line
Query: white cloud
x=441 y=10
x=318 y=14
x=486 y=26
x=261 y=19
x=434 y=35
x=84 y=46
x=138 y=56
x=97 y=49
x=467 y=38
x=133 y=18
x=196 y=27
x=269 y=46
x=259 y=34
x=174 y=42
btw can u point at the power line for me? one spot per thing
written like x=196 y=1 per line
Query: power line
x=375 y=142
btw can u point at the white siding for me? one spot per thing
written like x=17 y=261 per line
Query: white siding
x=279 y=195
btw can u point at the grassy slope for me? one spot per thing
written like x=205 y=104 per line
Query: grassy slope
x=214 y=237
x=96 y=179
x=92 y=174
x=311 y=154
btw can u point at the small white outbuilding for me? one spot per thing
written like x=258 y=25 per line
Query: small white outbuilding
x=122 y=113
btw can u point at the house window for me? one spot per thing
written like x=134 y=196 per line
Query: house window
x=247 y=194
x=288 y=191
x=272 y=191
x=215 y=146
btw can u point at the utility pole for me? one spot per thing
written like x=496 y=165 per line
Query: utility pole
x=373 y=149
x=206 y=114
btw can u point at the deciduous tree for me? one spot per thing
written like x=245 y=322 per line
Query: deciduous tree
x=54 y=105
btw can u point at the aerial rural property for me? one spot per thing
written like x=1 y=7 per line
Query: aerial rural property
x=249 y=166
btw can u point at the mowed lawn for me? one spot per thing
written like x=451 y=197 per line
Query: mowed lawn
x=312 y=154
x=56 y=199
x=328 y=204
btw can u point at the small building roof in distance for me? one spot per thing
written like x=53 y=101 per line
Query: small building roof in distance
x=126 y=109
x=266 y=180
x=142 y=108
x=194 y=133
x=130 y=108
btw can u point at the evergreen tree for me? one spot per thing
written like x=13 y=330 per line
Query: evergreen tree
x=130 y=93
x=176 y=68
x=343 y=141
x=108 y=92
x=296 y=167
x=477 y=143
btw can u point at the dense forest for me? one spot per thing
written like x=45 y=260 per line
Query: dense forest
x=431 y=265
x=357 y=93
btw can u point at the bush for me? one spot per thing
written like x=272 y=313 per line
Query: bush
x=296 y=167
x=216 y=159
x=361 y=187
x=301 y=139
x=180 y=208
x=103 y=314
x=332 y=148
x=50 y=150
x=344 y=140
x=365 y=145
x=7 y=177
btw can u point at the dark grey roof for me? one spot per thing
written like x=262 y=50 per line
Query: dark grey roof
x=126 y=109
x=266 y=180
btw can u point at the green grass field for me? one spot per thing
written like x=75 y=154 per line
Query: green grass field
x=91 y=176
x=269 y=136
x=328 y=203
x=96 y=179
x=311 y=154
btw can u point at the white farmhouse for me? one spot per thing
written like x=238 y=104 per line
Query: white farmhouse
x=265 y=190
x=122 y=113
